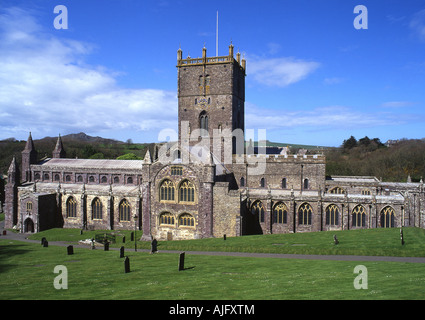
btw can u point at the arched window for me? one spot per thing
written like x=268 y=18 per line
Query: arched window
x=186 y=220
x=130 y=180
x=306 y=184
x=187 y=192
x=166 y=191
x=91 y=179
x=262 y=183
x=104 y=179
x=242 y=184
x=166 y=218
x=257 y=208
x=304 y=214
x=366 y=192
x=284 y=183
x=71 y=208
x=29 y=207
x=358 y=216
x=124 y=210
x=46 y=177
x=116 y=180
x=337 y=190
x=280 y=213
x=80 y=179
x=203 y=123
x=96 y=209
x=57 y=177
x=387 y=217
x=332 y=215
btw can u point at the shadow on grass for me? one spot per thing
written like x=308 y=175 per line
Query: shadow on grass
x=7 y=251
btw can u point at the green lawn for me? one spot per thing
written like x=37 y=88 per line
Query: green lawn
x=375 y=242
x=27 y=270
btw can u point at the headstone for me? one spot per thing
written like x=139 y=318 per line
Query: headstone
x=401 y=237
x=70 y=250
x=224 y=237
x=132 y=236
x=127 y=265
x=335 y=239
x=93 y=246
x=106 y=246
x=122 y=252
x=43 y=240
x=154 y=246
x=45 y=244
x=81 y=232
x=123 y=239
x=181 y=261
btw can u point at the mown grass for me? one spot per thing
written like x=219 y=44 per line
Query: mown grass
x=373 y=242
x=27 y=273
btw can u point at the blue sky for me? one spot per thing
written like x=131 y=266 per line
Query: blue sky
x=312 y=78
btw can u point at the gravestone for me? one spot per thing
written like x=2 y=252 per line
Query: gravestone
x=401 y=237
x=127 y=265
x=106 y=246
x=45 y=244
x=122 y=252
x=154 y=246
x=224 y=237
x=335 y=239
x=181 y=261
x=132 y=236
x=81 y=232
x=70 y=250
x=93 y=246
x=123 y=239
x=43 y=240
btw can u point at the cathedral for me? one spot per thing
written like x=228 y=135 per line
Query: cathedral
x=209 y=183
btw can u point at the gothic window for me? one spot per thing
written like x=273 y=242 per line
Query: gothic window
x=304 y=214
x=103 y=180
x=166 y=191
x=80 y=179
x=129 y=180
x=29 y=207
x=187 y=192
x=46 y=177
x=332 y=215
x=71 y=208
x=166 y=218
x=186 y=220
x=258 y=209
x=57 y=177
x=337 y=190
x=96 y=209
x=116 y=180
x=207 y=80
x=68 y=178
x=203 y=123
x=284 y=183
x=124 y=210
x=201 y=81
x=359 y=216
x=280 y=213
x=176 y=171
x=387 y=217
x=91 y=179
x=262 y=183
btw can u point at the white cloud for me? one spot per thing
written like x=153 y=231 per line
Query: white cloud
x=280 y=72
x=417 y=24
x=46 y=87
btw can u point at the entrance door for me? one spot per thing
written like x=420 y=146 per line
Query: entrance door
x=29 y=226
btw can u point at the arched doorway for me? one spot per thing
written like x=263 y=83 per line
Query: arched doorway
x=28 y=226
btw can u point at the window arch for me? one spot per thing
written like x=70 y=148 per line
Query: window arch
x=103 y=179
x=280 y=213
x=203 y=123
x=337 y=190
x=262 y=182
x=358 y=216
x=304 y=214
x=186 y=220
x=306 y=184
x=187 y=192
x=96 y=209
x=332 y=215
x=29 y=207
x=242 y=184
x=166 y=218
x=366 y=192
x=124 y=210
x=387 y=217
x=166 y=191
x=257 y=208
x=71 y=207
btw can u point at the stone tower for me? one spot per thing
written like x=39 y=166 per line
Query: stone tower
x=211 y=97
x=11 y=193
x=59 y=151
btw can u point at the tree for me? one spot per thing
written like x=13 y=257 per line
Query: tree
x=350 y=143
x=129 y=156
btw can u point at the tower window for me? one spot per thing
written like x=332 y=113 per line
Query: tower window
x=203 y=123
